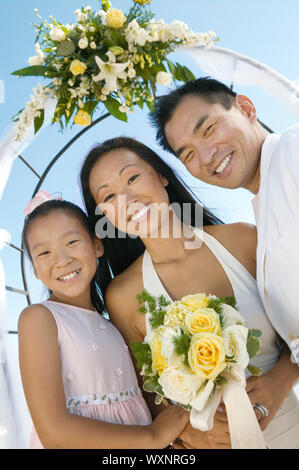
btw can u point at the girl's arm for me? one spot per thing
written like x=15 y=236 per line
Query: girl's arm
x=42 y=381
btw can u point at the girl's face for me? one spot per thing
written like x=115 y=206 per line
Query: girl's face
x=129 y=192
x=63 y=254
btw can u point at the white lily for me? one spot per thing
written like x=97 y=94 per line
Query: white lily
x=110 y=71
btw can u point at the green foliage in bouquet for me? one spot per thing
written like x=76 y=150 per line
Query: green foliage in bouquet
x=173 y=320
x=156 y=307
x=107 y=58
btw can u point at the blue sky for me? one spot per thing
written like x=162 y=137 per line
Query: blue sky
x=266 y=30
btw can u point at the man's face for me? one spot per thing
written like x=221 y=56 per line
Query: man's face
x=219 y=146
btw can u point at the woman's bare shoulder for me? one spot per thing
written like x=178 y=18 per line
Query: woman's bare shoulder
x=235 y=230
x=240 y=239
x=122 y=290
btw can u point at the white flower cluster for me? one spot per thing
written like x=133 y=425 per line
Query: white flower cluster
x=136 y=35
x=32 y=110
x=37 y=59
x=82 y=90
x=178 y=30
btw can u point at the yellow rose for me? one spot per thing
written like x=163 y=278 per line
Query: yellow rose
x=207 y=355
x=77 y=67
x=159 y=363
x=195 y=301
x=115 y=18
x=82 y=118
x=203 y=319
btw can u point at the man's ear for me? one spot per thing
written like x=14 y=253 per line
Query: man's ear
x=164 y=180
x=246 y=107
x=99 y=247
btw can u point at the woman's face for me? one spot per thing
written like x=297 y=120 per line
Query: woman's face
x=129 y=192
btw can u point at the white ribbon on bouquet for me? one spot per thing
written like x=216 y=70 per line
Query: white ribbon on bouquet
x=245 y=431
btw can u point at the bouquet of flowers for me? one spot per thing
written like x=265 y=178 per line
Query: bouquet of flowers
x=104 y=57
x=195 y=354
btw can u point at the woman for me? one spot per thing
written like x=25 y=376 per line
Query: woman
x=134 y=189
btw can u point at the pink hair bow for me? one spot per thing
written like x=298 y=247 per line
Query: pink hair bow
x=40 y=197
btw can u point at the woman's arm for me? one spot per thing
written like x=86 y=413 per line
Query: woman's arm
x=42 y=381
x=271 y=388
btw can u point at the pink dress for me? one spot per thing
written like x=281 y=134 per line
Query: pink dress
x=98 y=374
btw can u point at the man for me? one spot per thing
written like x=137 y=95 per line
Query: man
x=217 y=136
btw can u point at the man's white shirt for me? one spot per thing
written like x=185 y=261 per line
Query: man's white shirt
x=276 y=208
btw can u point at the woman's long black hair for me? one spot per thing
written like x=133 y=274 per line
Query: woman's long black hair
x=119 y=253
x=75 y=211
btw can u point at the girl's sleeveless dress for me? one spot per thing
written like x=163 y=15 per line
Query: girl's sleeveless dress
x=283 y=430
x=98 y=374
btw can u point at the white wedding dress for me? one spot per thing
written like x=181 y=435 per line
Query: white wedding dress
x=283 y=430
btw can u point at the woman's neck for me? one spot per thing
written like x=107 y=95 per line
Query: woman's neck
x=169 y=243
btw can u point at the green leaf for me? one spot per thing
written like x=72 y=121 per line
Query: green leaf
x=16 y=116
x=150 y=105
x=38 y=121
x=254 y=332
x=229 y=301
x=253 y=346
x=90 y=106
x=171 y=66
x=33 y=70
x=215 y=304
x=158 y=399
x=149 y=386
x=186 y=407
x=155 y=307
x=181 y=345
x=254 y=370
x=142 y=352
x=112 y=106
x=189 y=75
x=220 y=381
x=66 y=48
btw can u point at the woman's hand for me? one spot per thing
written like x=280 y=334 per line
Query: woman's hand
x=271 y=388
x=217 y=438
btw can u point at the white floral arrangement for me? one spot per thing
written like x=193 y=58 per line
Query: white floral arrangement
x=195 y=347
x=105 y=57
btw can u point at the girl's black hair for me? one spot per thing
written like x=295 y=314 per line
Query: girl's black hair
x=56 y=204
x=119 y=253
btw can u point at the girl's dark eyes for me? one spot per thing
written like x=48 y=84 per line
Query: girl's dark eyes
x=108 y=197
x=43 y=253
x=72 y=242
x=132 y=178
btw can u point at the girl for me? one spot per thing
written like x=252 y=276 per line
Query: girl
x=134 y=189
x=78 y=378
